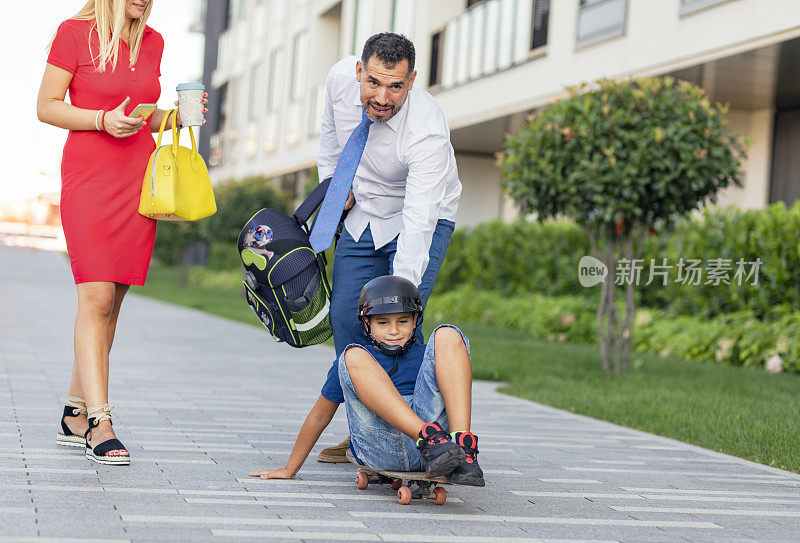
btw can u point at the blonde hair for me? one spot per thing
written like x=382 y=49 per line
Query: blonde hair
x=108 y=18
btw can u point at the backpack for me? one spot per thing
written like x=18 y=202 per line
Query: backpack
x=285 y=282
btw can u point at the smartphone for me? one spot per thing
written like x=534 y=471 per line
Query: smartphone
x=144 y=111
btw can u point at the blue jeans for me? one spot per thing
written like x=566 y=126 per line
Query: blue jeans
x=355 y=263
x=375 y=443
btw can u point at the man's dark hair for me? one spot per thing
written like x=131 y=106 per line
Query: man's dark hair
x=390 y=48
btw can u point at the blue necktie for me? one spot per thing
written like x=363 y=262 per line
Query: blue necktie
x=333 y=204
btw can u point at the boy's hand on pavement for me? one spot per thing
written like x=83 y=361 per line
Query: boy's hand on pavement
x=280 y=473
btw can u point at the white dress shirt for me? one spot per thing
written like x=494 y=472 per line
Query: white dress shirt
x=407 y=178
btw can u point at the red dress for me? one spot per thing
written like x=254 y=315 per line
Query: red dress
x=101 y=176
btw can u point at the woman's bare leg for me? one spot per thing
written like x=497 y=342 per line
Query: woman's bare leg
x=80 y=424
x=120 y=291
x=96 y=305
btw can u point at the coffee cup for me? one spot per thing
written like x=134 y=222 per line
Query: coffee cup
x=190 y=103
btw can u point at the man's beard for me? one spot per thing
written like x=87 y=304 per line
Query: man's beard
x=393 y=111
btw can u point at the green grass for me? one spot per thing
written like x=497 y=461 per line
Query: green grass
x=744 y=412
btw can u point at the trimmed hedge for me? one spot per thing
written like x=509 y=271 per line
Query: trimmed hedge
x=517 y=257
x=737 y=338
x=771 y=234
x=237 y=202
x=557 y=318
x=532 y=257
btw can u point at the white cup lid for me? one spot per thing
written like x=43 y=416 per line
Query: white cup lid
x=190 y=86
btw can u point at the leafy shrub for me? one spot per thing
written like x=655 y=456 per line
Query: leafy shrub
x=237 y=201
x=172 y=239
x=771 y=234
x=562 y=318
x=736 y=338
x=530 y=257
x=517 y=257
x=224 y=255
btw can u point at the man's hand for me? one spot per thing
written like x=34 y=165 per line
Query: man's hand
x=280 y=473
x=351 y=200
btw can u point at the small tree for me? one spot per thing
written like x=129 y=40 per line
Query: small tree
x=622 y=158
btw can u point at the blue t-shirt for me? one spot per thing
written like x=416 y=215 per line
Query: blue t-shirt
x=403 y=379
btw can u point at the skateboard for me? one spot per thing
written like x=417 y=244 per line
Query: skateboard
x=424 y=488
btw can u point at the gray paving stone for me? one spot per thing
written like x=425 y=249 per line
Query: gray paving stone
x=151 y=534
x=18 y=525
x=201 y=387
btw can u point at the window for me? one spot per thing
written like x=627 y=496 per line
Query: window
x=227 y=12
x=222 y=109
x=600 y=20
x=541 y=15
x=299 y=63
x=690 y=6
x=435 y=75
x=274 y=85
x=253 y=103
x=232 y=100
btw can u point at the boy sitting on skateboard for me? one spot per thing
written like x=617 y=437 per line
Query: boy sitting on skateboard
x=402 y=398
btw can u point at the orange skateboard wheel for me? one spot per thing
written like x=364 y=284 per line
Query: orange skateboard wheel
x=404 y=495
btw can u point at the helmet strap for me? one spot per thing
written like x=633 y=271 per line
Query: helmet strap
x=392 y=350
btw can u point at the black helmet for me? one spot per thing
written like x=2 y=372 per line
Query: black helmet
x=390 y=294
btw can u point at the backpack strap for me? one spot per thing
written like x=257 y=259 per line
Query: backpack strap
x=312 y=202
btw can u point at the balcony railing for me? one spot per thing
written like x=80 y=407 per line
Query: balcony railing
x=490 y=36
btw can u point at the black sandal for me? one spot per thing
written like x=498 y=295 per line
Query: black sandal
x=75 y=407
x=99 y=454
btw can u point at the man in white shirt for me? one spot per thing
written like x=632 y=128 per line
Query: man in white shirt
x=406 y=190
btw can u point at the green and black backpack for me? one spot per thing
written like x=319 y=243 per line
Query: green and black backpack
x=285 y=282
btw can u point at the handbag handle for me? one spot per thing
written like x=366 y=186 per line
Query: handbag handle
x=163 y=126
x=195 y=159
x=176 y=133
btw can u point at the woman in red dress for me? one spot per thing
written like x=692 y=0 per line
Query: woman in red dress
x=109 y=60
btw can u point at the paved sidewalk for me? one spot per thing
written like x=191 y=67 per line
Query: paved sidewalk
x=202 y=401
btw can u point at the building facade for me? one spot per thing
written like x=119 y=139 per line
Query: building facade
x=490 y=63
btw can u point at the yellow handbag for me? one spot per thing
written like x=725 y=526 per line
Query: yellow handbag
x=176 y=185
